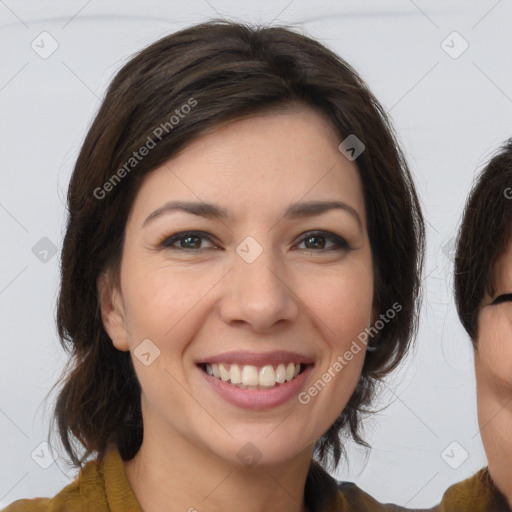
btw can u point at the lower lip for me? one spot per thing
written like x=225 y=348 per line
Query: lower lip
x=259 y=398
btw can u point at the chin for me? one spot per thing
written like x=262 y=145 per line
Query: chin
x=261 y=452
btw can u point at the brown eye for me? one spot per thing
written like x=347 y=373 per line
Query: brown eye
x=502 y=298
x=188 y=241
x=317 y=240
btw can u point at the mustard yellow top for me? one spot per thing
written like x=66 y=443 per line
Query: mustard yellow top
x=476 y=494
x=103 y=487
x=97 y=488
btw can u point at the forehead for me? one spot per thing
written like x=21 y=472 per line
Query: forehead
x=263 y=163
x=298 y=134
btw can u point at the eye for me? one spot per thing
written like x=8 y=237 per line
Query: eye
x=192 y=241
x=502 y=298
x=188 y=241
x=317 y=240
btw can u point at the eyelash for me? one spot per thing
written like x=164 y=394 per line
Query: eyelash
x=341 y=243
x=502 y=298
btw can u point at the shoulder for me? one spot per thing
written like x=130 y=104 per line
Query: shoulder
x=83 y=489
x=33 y=505
x=100 y=485
x=68 y=499
x=477 y=493
x=353 y=499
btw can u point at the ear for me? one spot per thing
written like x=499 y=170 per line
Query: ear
x=112 y=311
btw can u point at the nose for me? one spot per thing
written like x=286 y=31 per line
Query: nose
x=259 y=294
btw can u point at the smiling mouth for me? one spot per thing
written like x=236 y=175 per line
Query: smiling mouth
x=254 y=377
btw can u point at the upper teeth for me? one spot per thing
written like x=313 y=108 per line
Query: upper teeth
x=249 y=375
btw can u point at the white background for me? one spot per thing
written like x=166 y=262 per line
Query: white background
x=450 y=114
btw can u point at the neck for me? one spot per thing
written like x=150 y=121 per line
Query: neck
x=174 y=474
x=495 y=420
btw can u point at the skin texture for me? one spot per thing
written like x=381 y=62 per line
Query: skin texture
x=294 y=296
x=493 y=365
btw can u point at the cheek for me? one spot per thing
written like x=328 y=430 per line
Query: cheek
x=343 y=302
x=494 y=352
x=158 y=298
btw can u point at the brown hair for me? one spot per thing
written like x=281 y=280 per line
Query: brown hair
x=230 y=70
x=483 y=236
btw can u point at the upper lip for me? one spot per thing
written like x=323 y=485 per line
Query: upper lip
x=258 y=358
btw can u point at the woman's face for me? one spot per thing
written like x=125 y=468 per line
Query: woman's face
x=259 y=282
x=493 y=364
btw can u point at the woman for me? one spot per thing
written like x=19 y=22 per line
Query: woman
x=483 y=294
x=242 y=227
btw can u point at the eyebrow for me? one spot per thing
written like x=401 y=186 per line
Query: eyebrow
x=213 y=211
